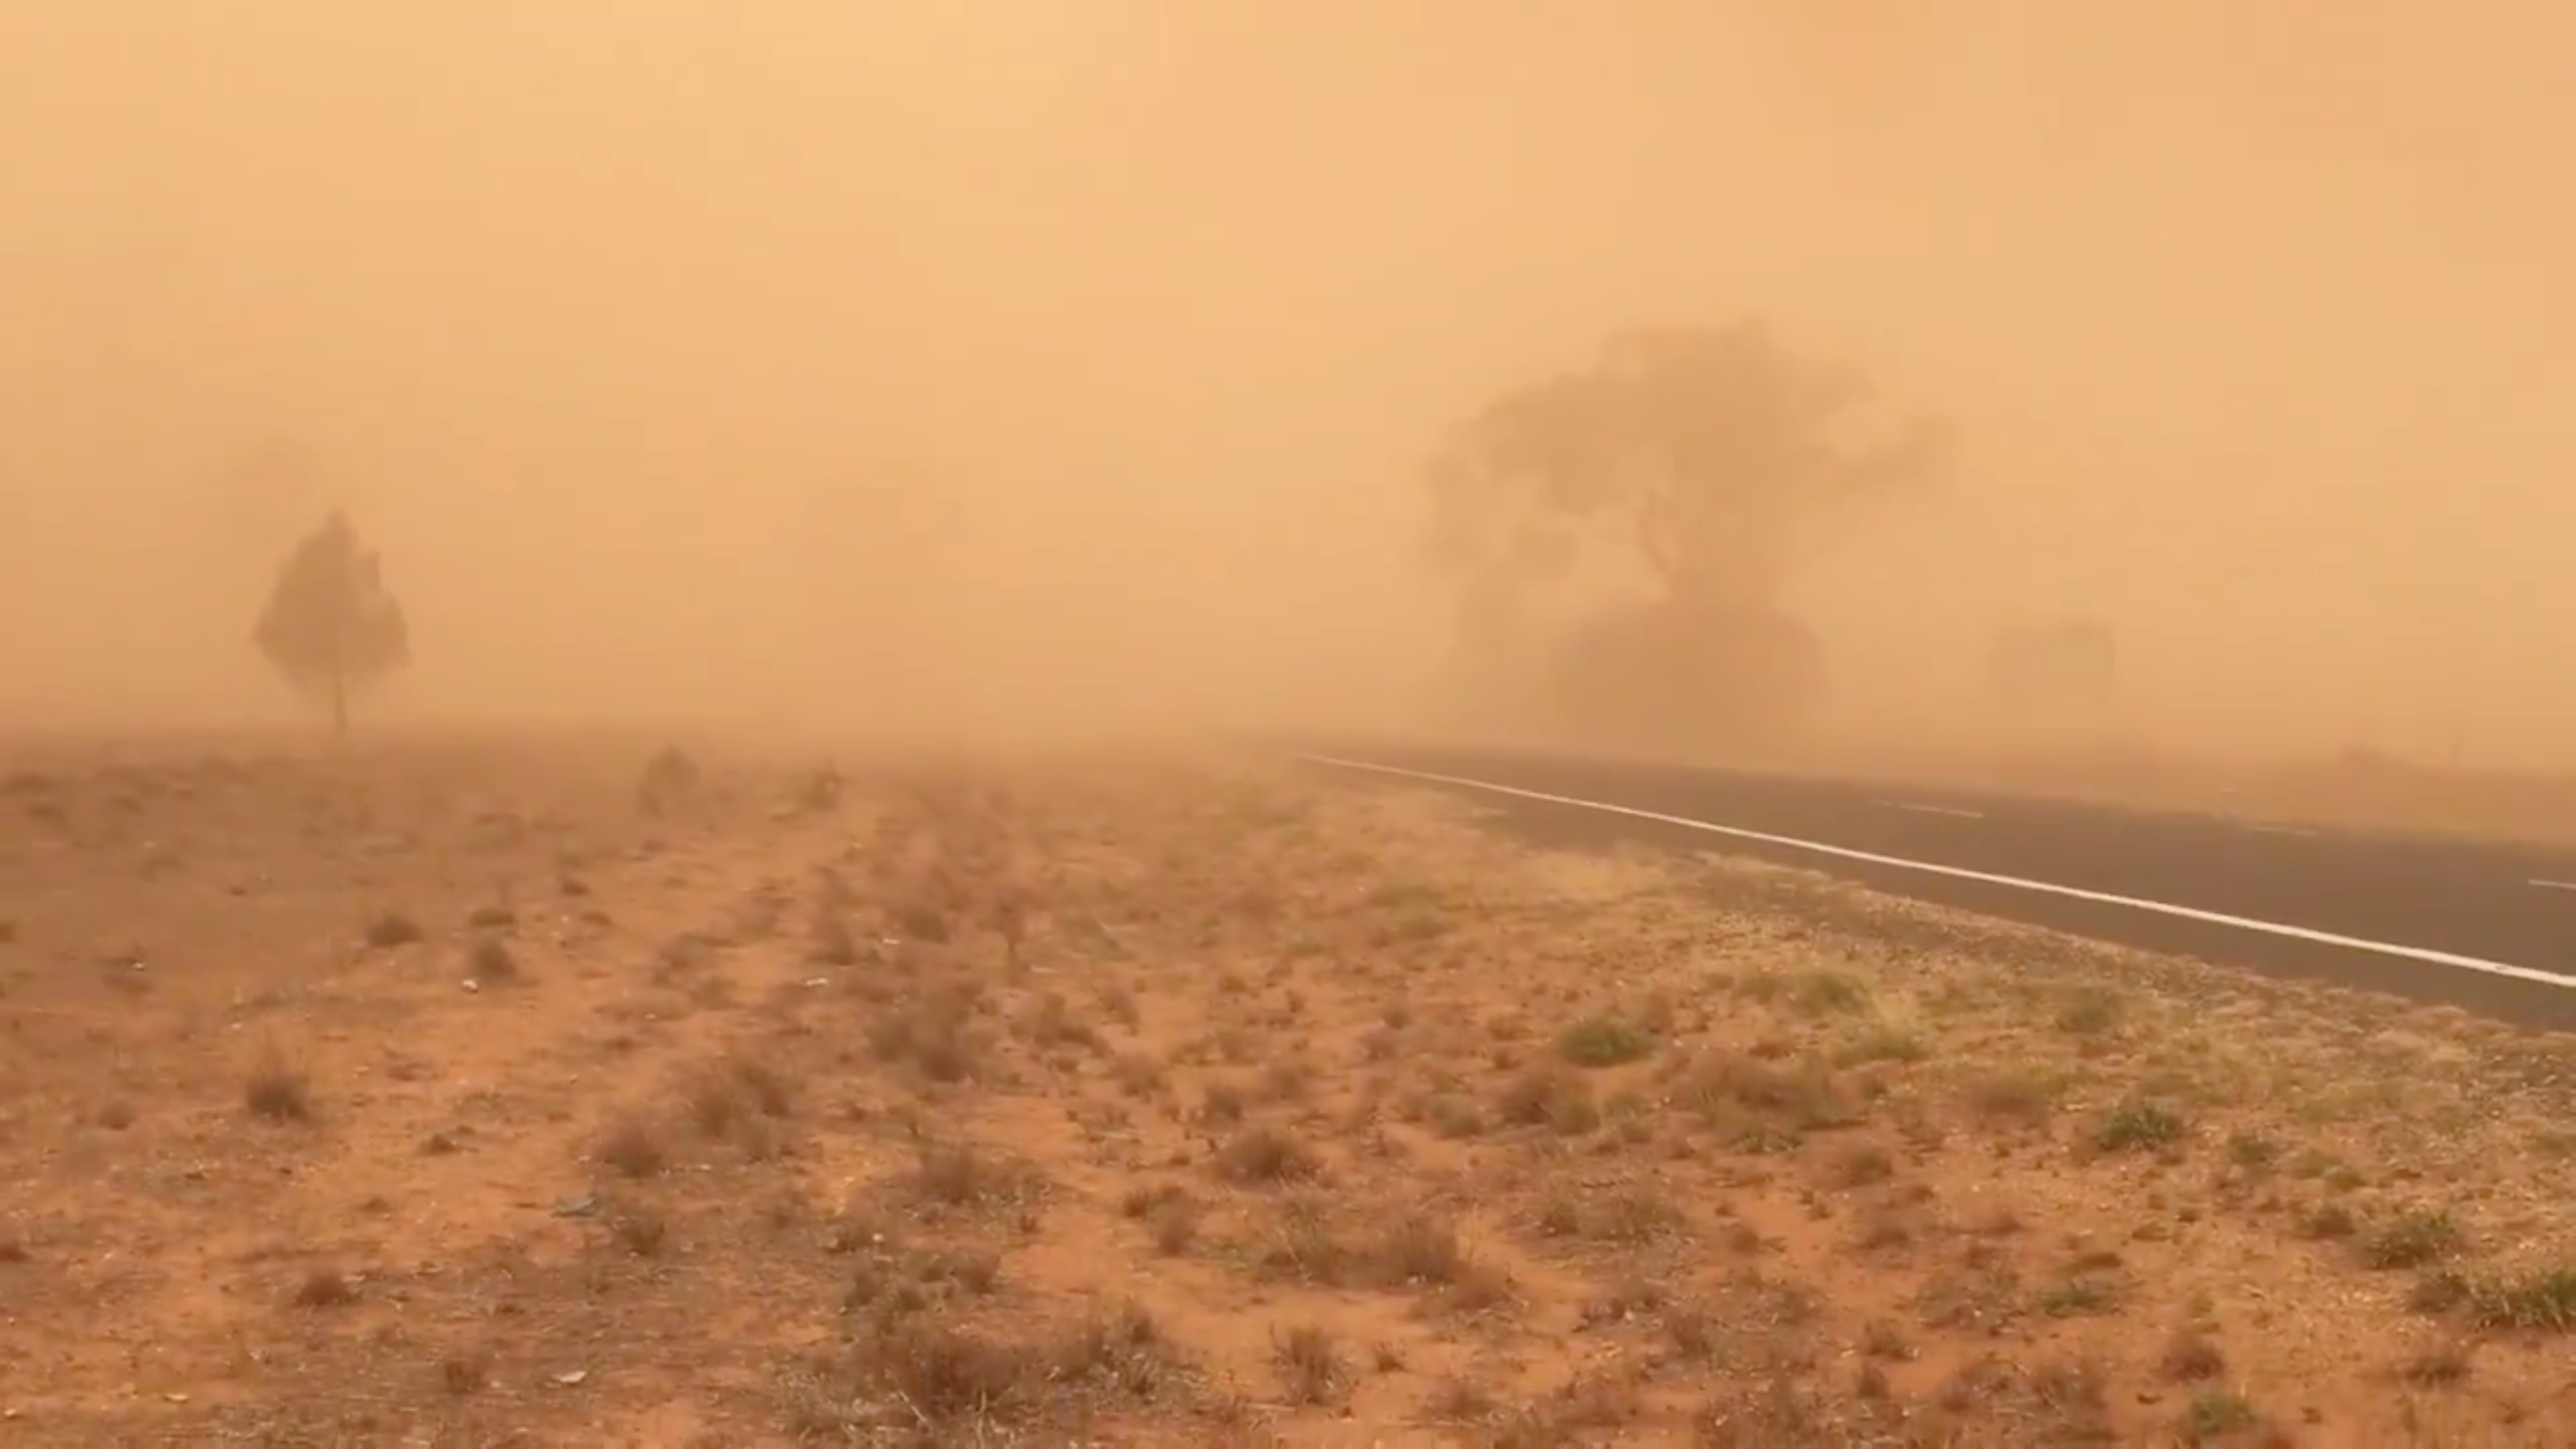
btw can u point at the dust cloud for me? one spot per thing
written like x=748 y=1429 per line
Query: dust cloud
x=1042 y=365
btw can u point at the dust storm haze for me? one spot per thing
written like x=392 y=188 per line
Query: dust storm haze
x=1068 y=363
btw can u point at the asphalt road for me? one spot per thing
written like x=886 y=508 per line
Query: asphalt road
x=2488 y=927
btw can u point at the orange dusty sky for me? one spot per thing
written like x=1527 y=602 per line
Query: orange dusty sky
x=1044 y=363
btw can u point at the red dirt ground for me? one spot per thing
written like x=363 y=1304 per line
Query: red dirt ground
x=444 y=1094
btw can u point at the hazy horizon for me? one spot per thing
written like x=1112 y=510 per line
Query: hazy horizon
x=1067 y=366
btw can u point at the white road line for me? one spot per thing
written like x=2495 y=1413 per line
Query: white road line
x=2037 y=887
x=2552 y=885
x=1951 y=810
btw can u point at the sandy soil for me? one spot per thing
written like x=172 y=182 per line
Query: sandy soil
x=447 y=1095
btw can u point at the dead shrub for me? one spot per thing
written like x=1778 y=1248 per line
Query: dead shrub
x=958 y=1175
x=1798 y=1096
x=2191 y=1356
x=1550 y=1096
x=1311 y=1367
x=1054 y=1024
x=640 y=1230
x=492 y=963
x=923 y=920
x=389 y=929
x=465 y=1371
x=1604 y=1041
x=1176 y=1225
x=633 y=1147
x=946 y=1375
x=1221 y=1103
x=2439 y=1366
x=1303 y=1246
x=832 y=943
x=278 y=1090
x=932 y=1038
x=730 y=1097
x=1266 y=1156
x=325 y=1288
x=1137 y=1075
x=1418 y=1249
x=2022 y=1098
x=1122 y=1351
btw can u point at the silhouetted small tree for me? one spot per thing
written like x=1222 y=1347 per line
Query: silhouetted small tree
x=330 y=627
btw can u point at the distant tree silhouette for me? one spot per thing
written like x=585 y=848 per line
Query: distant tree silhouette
x=1711 y=456
x=330 y=627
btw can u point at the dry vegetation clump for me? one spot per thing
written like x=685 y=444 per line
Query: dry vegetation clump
x=492 y=963
x=1265 y=1156
x=278 y=1088
x=392 y=928
x=634 y=1147
x=1188 y=1103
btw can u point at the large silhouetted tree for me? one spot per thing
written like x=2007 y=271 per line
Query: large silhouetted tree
x=1708 y=457
x=330 y=627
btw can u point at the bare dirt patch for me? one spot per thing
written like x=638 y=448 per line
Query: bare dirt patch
x=482 y=1092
